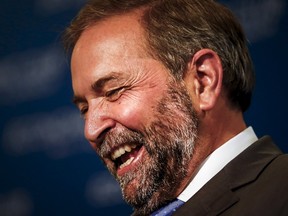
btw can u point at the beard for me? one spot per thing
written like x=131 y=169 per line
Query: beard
x=169 y=142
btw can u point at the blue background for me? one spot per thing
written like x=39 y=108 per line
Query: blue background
x=46 y=166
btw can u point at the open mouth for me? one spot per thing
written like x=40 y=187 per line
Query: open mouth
x=126 y=155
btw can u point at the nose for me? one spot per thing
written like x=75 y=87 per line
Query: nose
x=97 y=123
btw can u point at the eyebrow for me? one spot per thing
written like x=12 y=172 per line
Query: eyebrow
x=97 y=86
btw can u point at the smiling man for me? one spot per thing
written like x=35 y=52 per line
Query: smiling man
x=162 y=86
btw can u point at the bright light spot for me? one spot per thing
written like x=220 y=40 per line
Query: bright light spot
x=16 y=203
x=102 y=190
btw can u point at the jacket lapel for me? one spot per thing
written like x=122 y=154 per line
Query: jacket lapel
x=218 y=194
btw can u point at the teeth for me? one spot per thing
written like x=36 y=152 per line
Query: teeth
x=120 y=151
x=127 y=148
x=127 y=162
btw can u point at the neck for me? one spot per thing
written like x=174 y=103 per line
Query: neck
x=213 y=132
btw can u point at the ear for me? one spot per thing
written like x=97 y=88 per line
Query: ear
x=203 y=79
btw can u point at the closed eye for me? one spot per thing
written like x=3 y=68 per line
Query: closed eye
x=83 y=110
x=81 y=104
x=114 y=94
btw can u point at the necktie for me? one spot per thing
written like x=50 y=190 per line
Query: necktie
x=168 y=209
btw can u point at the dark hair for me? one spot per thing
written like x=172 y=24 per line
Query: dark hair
x=176 y=30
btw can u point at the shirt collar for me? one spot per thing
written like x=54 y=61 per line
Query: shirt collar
x=217 y=160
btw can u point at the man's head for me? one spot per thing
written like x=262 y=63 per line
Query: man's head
x=155 y=81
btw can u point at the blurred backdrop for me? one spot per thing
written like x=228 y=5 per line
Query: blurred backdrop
x=46 y=166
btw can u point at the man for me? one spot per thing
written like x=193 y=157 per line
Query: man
x=162 y=86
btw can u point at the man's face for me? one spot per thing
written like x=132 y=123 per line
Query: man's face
x=137 y=117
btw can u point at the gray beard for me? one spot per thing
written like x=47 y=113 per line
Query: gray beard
x=169 y=142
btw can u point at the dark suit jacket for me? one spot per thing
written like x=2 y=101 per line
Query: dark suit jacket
x=255 y=183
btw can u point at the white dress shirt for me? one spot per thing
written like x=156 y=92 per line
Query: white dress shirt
x=217 y=160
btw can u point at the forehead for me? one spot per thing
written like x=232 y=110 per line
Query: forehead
x=115 y=39
x=122 y=32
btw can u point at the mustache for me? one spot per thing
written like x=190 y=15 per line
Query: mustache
x=115 y=138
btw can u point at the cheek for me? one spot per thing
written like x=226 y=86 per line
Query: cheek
x=136 y=114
